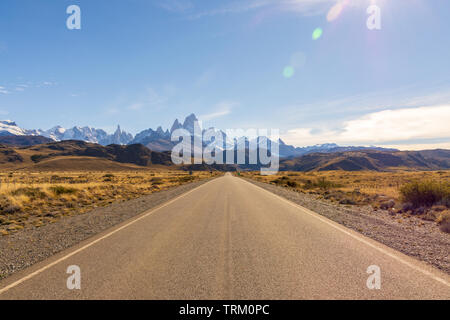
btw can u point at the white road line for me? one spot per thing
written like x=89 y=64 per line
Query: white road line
x=31 y=275
x=357 y=237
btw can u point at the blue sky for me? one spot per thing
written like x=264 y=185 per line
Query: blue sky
x=143 y=63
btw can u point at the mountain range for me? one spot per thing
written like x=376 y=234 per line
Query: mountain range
x=156 y=140
x=89 y=149
x=79 y=155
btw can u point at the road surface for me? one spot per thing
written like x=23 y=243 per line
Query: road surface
x=228 y=239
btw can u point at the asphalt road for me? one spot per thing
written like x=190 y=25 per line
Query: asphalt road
x=228 y=239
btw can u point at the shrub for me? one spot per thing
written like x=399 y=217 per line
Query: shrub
x=292 y=184
x=37 y=157
x=186 y=178
x=156 y=180
x=58 y=190
x=277 y=181
x=11 y=209
x=30 y=192
x=425 y=193
x=321 y=183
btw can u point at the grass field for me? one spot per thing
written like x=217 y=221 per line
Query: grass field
x=37 y=198
x=381 y=190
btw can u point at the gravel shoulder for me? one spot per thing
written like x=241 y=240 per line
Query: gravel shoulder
x=412 y=236
x=29 y=246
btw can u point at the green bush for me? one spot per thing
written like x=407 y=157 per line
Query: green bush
x=58 y=190
x=425 y=193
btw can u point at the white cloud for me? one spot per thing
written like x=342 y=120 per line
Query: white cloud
x=135 y=106
x=222 y=109
x=388 y=127
x=418 y=146
x=3 y=90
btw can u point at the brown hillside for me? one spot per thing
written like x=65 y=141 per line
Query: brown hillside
x=370 y=160
x=69 y=163
x=80 y=155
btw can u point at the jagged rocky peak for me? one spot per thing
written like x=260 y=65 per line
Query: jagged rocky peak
x=190 y=123
x=190 y=120
x=176 y=125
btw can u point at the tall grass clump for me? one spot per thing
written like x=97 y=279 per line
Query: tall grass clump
x=425 y=193
x=321 y=183
x=59 y=190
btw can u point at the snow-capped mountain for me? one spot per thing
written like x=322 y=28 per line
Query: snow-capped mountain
x=118 y=137
x=58 y=133
x=160 y=139
x=88 y=134
x=10 y=128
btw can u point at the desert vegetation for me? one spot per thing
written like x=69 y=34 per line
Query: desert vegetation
x=37 y=198
x=425 y=194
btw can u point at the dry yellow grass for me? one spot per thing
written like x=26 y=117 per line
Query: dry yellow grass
x=353 y=188
x=37 y=198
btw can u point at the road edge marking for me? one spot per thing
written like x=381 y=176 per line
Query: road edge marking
x=136 y=219
x=356 y=236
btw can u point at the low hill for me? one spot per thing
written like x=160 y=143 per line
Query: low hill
x=370 y=160
x=24 y=141
x=75 y=153
x=68 y=163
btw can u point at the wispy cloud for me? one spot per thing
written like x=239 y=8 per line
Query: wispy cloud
x=305 y=7
x=221 y=109
x=205 y=78
x=175 y=5
x=388 y=127
x=151 y=99
x=3 y=90
x=22 y=87
x=341 y=107
x=45 y=84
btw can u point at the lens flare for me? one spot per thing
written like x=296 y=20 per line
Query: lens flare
x=335 y=11
x=288 y=72
x=317 y=33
